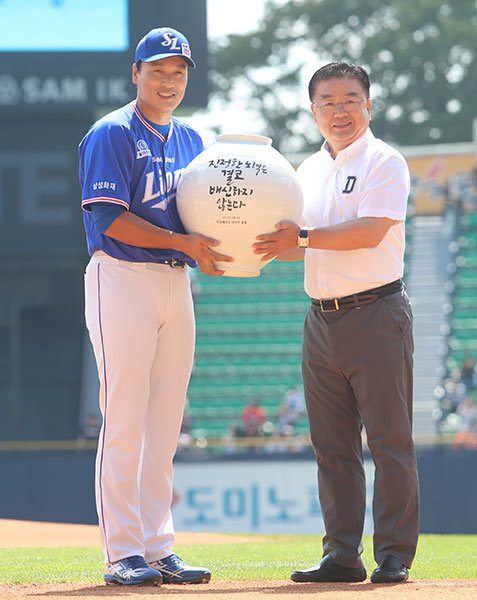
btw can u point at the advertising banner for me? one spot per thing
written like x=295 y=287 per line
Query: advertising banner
x=253 y=497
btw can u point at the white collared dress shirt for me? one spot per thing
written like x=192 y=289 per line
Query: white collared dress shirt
x=369 y=178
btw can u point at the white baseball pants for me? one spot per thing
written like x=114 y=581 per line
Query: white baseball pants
x=141 y=323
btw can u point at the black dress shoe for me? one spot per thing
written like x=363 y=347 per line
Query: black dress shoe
x=390 y=570
x=328 y=570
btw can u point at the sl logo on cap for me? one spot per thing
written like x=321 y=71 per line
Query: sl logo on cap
x=171 y=40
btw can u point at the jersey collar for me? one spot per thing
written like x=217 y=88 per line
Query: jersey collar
x=150 y=127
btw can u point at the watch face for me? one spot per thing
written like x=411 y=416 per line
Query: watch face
x=303 y=238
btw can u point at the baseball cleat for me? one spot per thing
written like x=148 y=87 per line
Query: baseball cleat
x=132 y=570
x=174 y=570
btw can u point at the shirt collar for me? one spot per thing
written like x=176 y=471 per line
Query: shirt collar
x=351 y=150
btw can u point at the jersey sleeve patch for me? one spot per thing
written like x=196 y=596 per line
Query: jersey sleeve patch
x=106 y=165
x=104 y=185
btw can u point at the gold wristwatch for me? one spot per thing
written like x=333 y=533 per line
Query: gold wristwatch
x=303 y=239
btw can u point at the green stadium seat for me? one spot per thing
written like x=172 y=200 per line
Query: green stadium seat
x=468 y=222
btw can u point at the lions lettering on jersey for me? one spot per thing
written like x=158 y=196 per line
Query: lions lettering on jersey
x=166 y=184
x=123 y=147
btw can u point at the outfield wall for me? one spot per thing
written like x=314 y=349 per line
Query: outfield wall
x=256 y=495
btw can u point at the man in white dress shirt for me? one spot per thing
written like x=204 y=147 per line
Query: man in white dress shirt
x=357 y=358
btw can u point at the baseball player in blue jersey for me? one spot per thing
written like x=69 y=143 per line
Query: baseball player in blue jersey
x=139 y=309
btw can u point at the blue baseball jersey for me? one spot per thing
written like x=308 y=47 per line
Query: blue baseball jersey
x=125 y=161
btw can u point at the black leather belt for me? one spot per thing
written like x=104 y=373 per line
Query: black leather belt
x=174 y=263
x=355 y=300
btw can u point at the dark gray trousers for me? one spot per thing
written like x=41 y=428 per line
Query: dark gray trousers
x=358 y=369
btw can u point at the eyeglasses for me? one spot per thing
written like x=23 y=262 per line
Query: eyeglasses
x=349 y=105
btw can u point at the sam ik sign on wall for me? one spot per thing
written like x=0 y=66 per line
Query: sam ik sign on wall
x=50 y=90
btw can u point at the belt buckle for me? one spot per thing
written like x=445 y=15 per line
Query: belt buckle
x=323 y=309
x=176 y=263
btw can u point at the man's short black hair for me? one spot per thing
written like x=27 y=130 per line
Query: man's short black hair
x=339 y=69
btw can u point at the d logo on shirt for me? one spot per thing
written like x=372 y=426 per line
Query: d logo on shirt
x=349 y=184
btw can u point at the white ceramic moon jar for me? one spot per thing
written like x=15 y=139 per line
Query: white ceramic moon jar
x=233 y=191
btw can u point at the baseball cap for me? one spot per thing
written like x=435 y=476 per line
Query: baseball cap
x=163 y=42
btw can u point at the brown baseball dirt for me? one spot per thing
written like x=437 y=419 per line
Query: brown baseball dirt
x=26 y=534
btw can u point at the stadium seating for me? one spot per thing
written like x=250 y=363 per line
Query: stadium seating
x=248 y=345
x=462 y=338
x=462 y=323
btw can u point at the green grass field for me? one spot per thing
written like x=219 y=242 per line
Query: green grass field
x=438 y=557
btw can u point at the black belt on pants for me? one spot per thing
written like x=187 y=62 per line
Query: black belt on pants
x=355 y=300
x=174 y=263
